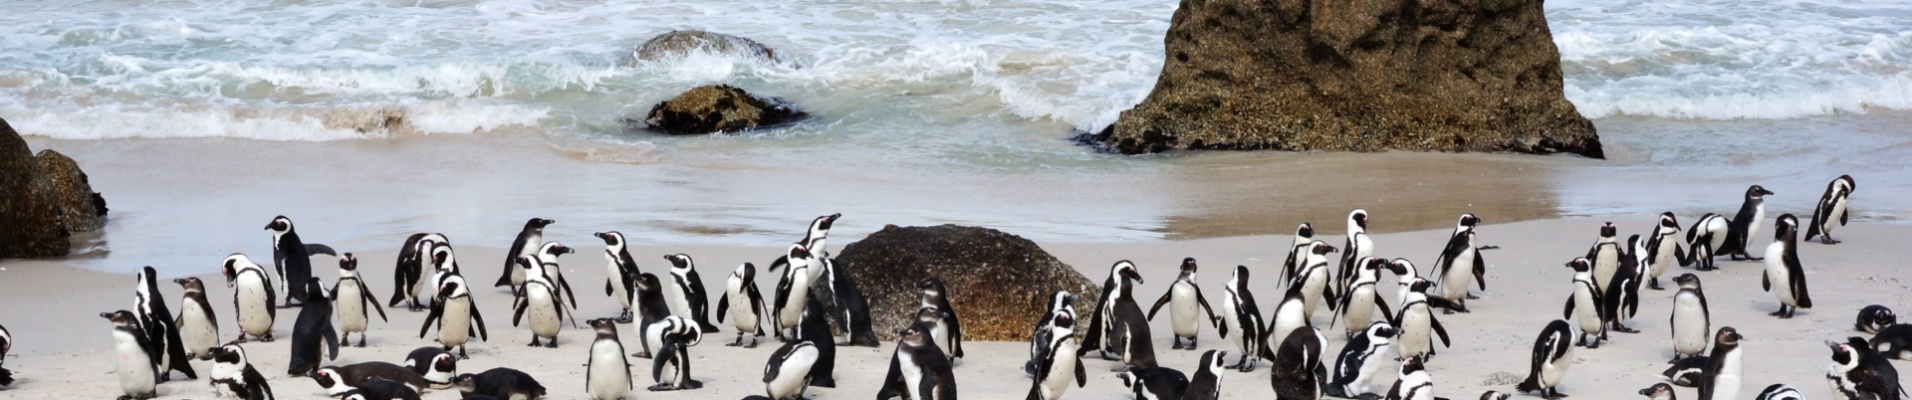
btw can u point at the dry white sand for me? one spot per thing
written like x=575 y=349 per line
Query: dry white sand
x=61 y=347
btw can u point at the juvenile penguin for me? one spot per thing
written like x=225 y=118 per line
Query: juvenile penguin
x=1357 y=247
x=1159 y=383
x=651 y=313
x=314 y=323
x=198 y=325
x=1779 y=391
x=1207 y=382
x=817 y=331
x=234 y=377
x=1622 y=298
x=1418 y=325
x=1363 y=296
x=1606 y=255
x=1314 y=281
x=685 y=293
x=1290 y=268
x=553 y=274
x=293 y=257
x=1782 y=266
x=434 y=363
x=350 y=296
x=950 y=329
x=1663 y=249
x=1060 y=302
x=529 y=239
x=1587 y=299
x=670 y=363
x=918 y=369
x=1724 y=367
x=1298 y=373
x=1102 y=335
x=1185 y=295
x=620 y=272
x=456 y=314
x=1414 y=383
x=157 y=320
x=336 y=380
x=1354 y=369
x=1855 y=376
x=1691 y=320
x=1241 y=318
x=541 y=301
x=134 y=355
x=252 y=297
x=787 y=375
x=791 y=293
x=607 y=376
x=499 y=383
x=1832 y=206
x=1874 y=318
x=1460 y=264
x=747 y=317
x=1745 y=225
x=1552 y=355
x=1704 y=240
x=1063 y=364
x=852 y=309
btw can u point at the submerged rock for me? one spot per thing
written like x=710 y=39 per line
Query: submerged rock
x=1365 y=75
x=998 y=282
x=80 y=207
x=677 y=44
x=718 y=108
x=30 y=218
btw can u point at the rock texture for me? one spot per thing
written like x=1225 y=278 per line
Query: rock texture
x=997 y=282
x=81 y=209
x=30 y=218
x=677 y=44
x=1358 y=75
x=718 y=108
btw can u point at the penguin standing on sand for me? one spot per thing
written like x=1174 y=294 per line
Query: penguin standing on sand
x=198 y=325
x=1354 y=369
x=1063 y=364
x=651 y=313
x=787 y=375
x=1304 y=235
x=1782 y=266
x=1418 y=325
x=685 y=293
x=1663 y=249
x=1552 y=355
x=1460 y=264
x=233 y=376
x=1207 y=382
x=252 y=298
x=1139 y=349
x=1241 y=318
x=607 y=375
x=157 y=321
x=1691 y=320
x=1185 y=295
x=1290 y=315
x=791 y=295
x=409 y=270
x=541 y=301
x=1874 y=318
x=1745 y=225
x=670 y=364
x=314 y=323
x=293 y=257
x=1315 y=283
x=1362 y=297
x=852 y=313
x=620 y=272
x=554 y=275
x=1622 y=298
x=135 y=356
x=1039 y=340
x=1606 y=255
x=456 y=314
x=1832 y=206
x=1358 y=246
x=349 y=297
x=1588 y=300
x=918 y=369
x=527 y=243
x=1298 y=373
x=1704 y=240
x=747 y=317
x=6 y=344
x=815 y=330
x=1102 y=335
x=1724 y=367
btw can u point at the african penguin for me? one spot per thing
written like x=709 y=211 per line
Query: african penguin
x=620 y=272
x=1552 y=355
x=252 y=297
x=1782 y=266
x=1606 y=256
x=748 y=316
x=1874 y=318
x=1316 y=281
x=607 y=375
x=1779 y=391
x=157 y=321
x=1832 y=206
x=1414 y=382
x=791 y=293
x=1663 y=249
x=1724 y=367
x=134 y=355
x=1460 y=264
x=500 y=383
x=1159 y=383
x=409 y=270
x=350 y=296
x=456 y=314
x=1894 y=341
x=1745 y=225
x=1063 y=364
x=918 y=367
x=1060 y=302
x=852 y=312
x=553 y=274
x=1363 y=296
x=651 y=313
x=685 y=293
x=434 y=363
x=314 y=323
x=1185 y=295
x=1207 y=382
x=540 y=300
x=527 y=243
x=1659 y=391
x=787 y=375
x=814 y=240
x=814 y=329
x=1588 y=300
x=1692 y=321
x=1622 y=298
x=1354 y=369
x=1857 y=375
x=198 y=325
x=1103 y=332
x=336 y=380
x=1298 y=373
x=1358 y=246
x=670 y=362
x=1404 y=275
x=1138 y=349
x=234 y=377
x=293 y=258
x=6 y=345
x=1418 y=325
x=1304 y=235
x=949 y=331
x=1290 y=315
x=1241 y=318
x=1705 y=239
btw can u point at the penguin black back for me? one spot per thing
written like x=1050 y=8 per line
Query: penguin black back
x=314 y=324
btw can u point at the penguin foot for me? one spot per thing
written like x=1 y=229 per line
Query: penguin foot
x=752 y=345
x=552 y=344
x=1471 y=296
x=739 y=342
x=241 y=339
x=1624 y=329
x=1751 y=258
x=1594 y=345
x=641 y=355
x=1654 y=284
x=1369 y=396
x=267 y=338
x=1828 y=240
x=1553 y=394
x=1120 y=368
x=361 y=343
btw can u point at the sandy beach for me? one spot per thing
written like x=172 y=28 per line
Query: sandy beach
x=61 y=348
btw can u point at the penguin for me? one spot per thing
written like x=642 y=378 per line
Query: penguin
x=852 y=313
x=1606 y=255
x=791 y=294
x=1063 y=364
x=1874 y=318
x=1418 y=325
x=135 y=356
x=1553 y=354
x=1060 y=302
x=1704 y=241
x=1358 y=246
x=337 y=380
x=541 y=301
x=409 y=270
x=1315 y=283
x=1186 y=296
x=620 y=272
x=918 y=369
x=350 y=296
x=1778 y=391
x=293 y=258
x=1663 y=249
x=456 y=314
x=1159 y=383
x=500 y=383
x=787 y=375
x=1241 y=318
x=1588 y=299
x=814 y=329
x=1659 y=391
x=380 y=389
x=607 y=376
x=198 y=324
x=158 y=323
x=1102 y=335
x=1354 y=369
x=1688 y=372
x=1297 y=373
x=670 y=363
x=1724 y=366
x=314 y=323
x=1495 y=395
x=1138 y=349
x=1782 y=265
x=951 y=327
x=1414 y=383
x=1304 y=236
x=1459 y=265
x=1404 y=275
x=1832 y=206
x=651 y=312
x=1290 y=315
x=747 y=317
x=1622 y=298
x=6 y=344
x=1362 y=296
x=530 y=238
x=436 y=259
x=553 y=275
x=685 y=293
x=1207 y=382
x=434 y=363
x=1691 y=319
x=253 y=300
x=1745 y=225
x=233 y=376
x=1857 y=375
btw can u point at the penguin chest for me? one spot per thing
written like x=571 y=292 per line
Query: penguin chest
x=455 y=324
x=940 y=333
x=1586 y=310
x=792 y=309
x=654 y=337
x=912 y=372
x=1061 y=371
x=678 y=299
x=1367 y=370
x=543 y=311
x=612 y=278
x=255 y=315
x=1458 y=275
x=1838 y=213
x=1777 y=272
x=610 y=376
x=351 y=309
x=1182 y=298
x=1311 y=289
x=135 y=368
x=793 y=374
x=1752 y=227
x=1231 y=315
x=1669 y=246
x=1605 y=263
x=1689 y=324
x=1555 y=369
x=742 y=315
x=1726 y=382
x=196 y=329
x=1289 y=317
x=1416 y=327
x=1360 y=308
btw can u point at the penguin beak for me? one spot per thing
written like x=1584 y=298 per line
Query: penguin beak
x=181 y=281
x=312 y=374
x=106 y=315
x=1646 y=392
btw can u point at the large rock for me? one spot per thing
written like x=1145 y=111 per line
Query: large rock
x=30 y=220
x=82 y=209
x=719 y=108
x=1360 y=75
x=676 y=44
x=997 y=282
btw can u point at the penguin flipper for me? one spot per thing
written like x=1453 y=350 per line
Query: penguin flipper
x=1082 y=377
x=365 y=297
x=1480 y=270
x=661 y=356
x=479 y=320
x=1765 y=281
x=437 y=310
x=1161 y=302
x=723 y=305
x=517 y=310
x=331 y=341
x=1383 y=305
x=1093 y=340
x=568 y=293
x=1199 y=299
x=313 y=249
x=1568 y=313
x=781 y=261
x=1439 y=330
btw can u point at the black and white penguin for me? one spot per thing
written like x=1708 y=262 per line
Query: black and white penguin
x=350 y=296
x=1458 y=248
x=1495 y=395
x=529 y=239
x=1138 y=350
x=1663 y=249
x=607 y=376
x=456 y=314
x=1060 y=302
x=1782 y=266
x=1316 y=281
x=1856 y=374
x=1063 y=364
x=685 y=293
x=1552 y=355
x=1606 y=255
x=1159 y=383
x=852 y=312
x=336 y=380
x=670 y=363
x=1207 y=382
x=1779 y=391
x=1622 y=298
x=1298 y=373
x=1692 y=319
x=1354 y=369
x=380 y=389
x=233 y=375
x=1832 y=206
x=1418 y=325
x=918 y=369
x=1659 y=391
x=1404 y=275
x=1705 y=239
x=787 y=308
x=1241 y=318
x=813 y=328
x=6 y=345
x=499 y=383
x=1357 y=247
x=434 y=363
x=814 y=239
x=1414 y=383
x=409 y=270
x=1688 y=372
x=787 y=375
x=434 y=257
x=748 y=316
x=1362 y=297
x=253 y=300
x=314 y=323
x=540 y=300
x=293 y=257
x=1304 y=235
x=1185 y=295
x=1102 y=335
x=620 y=271
x=949 y=331
x=1894 y=341
x=1459 y=265
x=1724 y=368
x=1588 y=300
x=1290 y=315
x=651 y=313
x=157 y=321
x=553 y=274
x=1745 y=225
x=198 y=324
x=135 y=356
x=1874 y=318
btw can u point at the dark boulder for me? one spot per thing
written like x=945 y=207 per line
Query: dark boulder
x=1361 y=75
x=82 y=209
x=719 y=108
x=30 y=219
x=998 y=282
x=676 y=44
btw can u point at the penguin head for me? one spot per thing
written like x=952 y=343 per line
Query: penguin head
x=279 y=225
x=1468 y=220
x=1688 y=281
x=1241 y=274
x=798 y=252
x=1124 y=268
x=601 y=324
x=1401 y=266
x=442 y=256
x=1358 y=218
x=451 y=286
x=445 y=362
x=1727 y=336
x=1668 y=221
x=746 y=272
x=352 y=395
x=537 y=224
x=525 y=262
x=326 y=377
x=121 y=318
x=646 y=281
x=1419 y=285
x=1580 y=264
x=1608 y=231
x=1373 y=263
x=930 y=286
x=1066 y=320
x=1882 y=318
x=1305 y=231
x=1658 y=391
x=612 y=238
x=1846 y=181
x=1320 y=247
x=347 y=262
x=914 y=335
x=822 y=223
x=1842 y=355
x=191 y=284
x=315 y=291
x=1495 y=395
x=680 y=261
x=1188 y=265
x=1381 y=329
x=231 y=267
x=1412 y=365
x=231 y=353
x=555 y=249
x=1128 y=378
x=465 y=382
x=929 y=315
x=1215 y=361
x=1786 y=225
x=1756 y=192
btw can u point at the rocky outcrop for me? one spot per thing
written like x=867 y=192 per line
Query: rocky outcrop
x=997 y=282
x=1361 y=75
x=676 y=44
x=31 y=220
x=81 y=209
x=719 y=108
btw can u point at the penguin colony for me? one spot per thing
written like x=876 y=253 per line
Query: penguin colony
x=670 y=314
